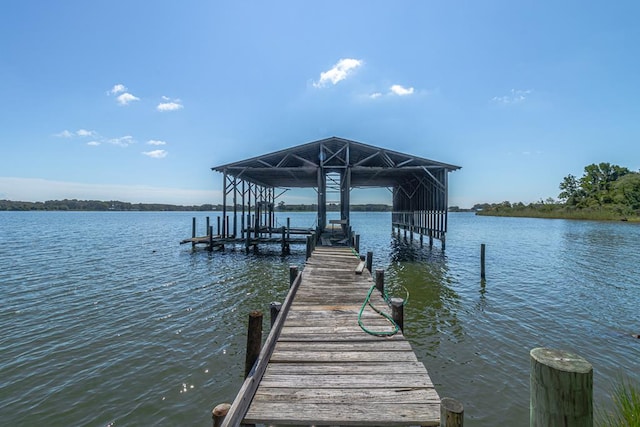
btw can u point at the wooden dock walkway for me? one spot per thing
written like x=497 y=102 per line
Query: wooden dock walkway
x=323 y=369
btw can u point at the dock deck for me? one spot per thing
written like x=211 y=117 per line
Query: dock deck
x=323 y=369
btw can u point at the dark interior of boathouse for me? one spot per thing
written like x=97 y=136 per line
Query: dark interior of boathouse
x=333 y=167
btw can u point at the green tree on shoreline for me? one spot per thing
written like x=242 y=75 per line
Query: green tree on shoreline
x=604 y=192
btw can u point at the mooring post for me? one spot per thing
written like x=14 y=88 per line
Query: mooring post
x=561 y=389
x=451 y=413
x=308 y=246
x=293 y=273
x=284 y=240
x=288 y=228
x=397 y=311
x=482 y=271
x=254 y=340
x=226 y=227
x=210 y=239
x=380 y=280
x=421 y=239
x=357 y=245
x=193 y=232
x=218 y=218
x=369 y=261
x=219 y=412
x=208 y=229
x=274 y=308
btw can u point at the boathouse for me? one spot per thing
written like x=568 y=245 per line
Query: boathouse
x=333 y=167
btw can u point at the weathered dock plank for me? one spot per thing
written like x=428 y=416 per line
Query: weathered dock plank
x=325 y=370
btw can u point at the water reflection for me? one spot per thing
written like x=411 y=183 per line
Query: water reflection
x=431 y=314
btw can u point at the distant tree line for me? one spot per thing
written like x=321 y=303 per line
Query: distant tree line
x=334 y=207
x=605 y=191
x=114 y=205
x=97 y=205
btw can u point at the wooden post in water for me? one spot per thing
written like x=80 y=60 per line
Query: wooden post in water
x=208 y=229
x=369 y=261
x=274 y=308
x=293 y=273
x=561 y=389
x=288 y=228
x=254 y=340
x=397 y=311
x=308 y=246
x=227 y=233
x=380 y=280
x=193 y=232
x=218 y=218
x=451 y=413
x=210 y=238
x=430 y=240
x=284 y=240
x=357 y=244
x=219 y=412
x=482 y=271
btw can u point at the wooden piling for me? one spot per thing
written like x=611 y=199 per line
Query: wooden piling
x=397 y=311
x=369 y=261
x=380 y=280
x=219 y=412
x=308 y=247
x=274 y=308
x=482 y=251
x=254 y=340
x=193 y=232
x=451 y=413
x=357 y=243
x=208 y=229
x=210 y=239
x=218 y=218
x=293 y=273
x=288 y=228
x=284 y=240
x=226 y=227
x=561 y=389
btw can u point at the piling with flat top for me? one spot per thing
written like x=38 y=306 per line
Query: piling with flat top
x=369 y=261
x=254 y=340
x=208 y=229
x=397 y=311
x=211 y=238
x=193 y=231
x=218 y=218
x=380 y=280
x=561 y=389
x=482 y=271
x=293 y=273
x=356 y=245
x=451 y=413
x=274 y=308
x=309 y=247
x=219 y=412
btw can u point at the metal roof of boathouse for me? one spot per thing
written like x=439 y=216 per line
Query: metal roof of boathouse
x=298 y=166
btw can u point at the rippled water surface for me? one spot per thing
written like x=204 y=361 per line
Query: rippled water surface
x=106 y=320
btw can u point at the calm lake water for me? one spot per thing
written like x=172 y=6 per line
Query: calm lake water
x=106 y=320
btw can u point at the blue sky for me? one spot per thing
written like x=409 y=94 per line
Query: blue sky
x=136 y=100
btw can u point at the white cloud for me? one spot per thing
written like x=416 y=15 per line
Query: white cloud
x=339 y=72
x=126 y=98
x=375 y=95
x=176 y=104
x=156 y=142
x=401 y=90
x=515 y=96
x=156 y=154
x=93 y=143
x=64 y=134
x=123 y=141
x=84 y=132
x=118 y=88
